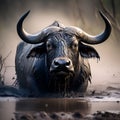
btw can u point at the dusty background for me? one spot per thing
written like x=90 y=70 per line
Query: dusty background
x=80 y=13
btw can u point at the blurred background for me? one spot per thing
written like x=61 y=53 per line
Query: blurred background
x=80 y=13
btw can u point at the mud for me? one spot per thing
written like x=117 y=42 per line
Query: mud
x=68 y=116
x=97 y=104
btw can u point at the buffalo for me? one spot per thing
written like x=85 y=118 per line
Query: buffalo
x=55 y=60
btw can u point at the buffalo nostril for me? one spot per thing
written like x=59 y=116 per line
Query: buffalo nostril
x=67 y=63
x=56 y=63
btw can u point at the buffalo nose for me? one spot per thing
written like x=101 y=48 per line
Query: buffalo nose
x=61 y=62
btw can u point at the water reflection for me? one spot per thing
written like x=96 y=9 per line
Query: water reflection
x=53 y=105
x=9 y=106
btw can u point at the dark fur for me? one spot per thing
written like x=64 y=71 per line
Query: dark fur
x=33 y=64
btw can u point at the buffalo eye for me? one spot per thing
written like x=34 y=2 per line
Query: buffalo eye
x=49 y=46
x=74 y=45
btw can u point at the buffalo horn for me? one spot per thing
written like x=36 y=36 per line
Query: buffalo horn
x=33 y=38
x=89 y=39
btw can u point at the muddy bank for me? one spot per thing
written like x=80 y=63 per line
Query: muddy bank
x=67 y=116
x=105 y=100
x=104 y=93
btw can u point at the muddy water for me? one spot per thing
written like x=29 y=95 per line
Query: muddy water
x=8 y=106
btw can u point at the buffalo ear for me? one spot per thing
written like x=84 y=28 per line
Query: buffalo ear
x=37 y=51
x=88 y=51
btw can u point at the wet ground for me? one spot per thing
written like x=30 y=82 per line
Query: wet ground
x=102 y=104
x=32 y=109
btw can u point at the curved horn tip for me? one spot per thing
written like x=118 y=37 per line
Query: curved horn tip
x=103 y=15
x=26 y=13
x=100 y=12
x=105 y=18
x=22 y=18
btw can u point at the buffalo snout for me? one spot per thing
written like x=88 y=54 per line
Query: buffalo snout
x=62 y=64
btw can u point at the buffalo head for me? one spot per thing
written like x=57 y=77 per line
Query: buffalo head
x=65 y=50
